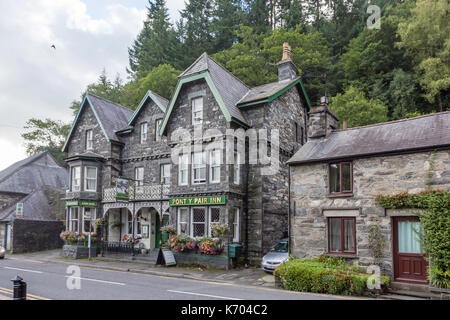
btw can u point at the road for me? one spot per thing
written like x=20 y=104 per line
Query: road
x=49 y=281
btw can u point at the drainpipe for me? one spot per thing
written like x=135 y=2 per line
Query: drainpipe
x=289 y=210
x=246 y=203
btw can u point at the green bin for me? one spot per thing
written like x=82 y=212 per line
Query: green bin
x=164 y=237
x=234 y=250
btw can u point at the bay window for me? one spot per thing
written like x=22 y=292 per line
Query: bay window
x=76 y=178
x=90 y=179
x=89 y=217
x=214 y=217
x=342 y=235
x=73 y=218
x=183 y=221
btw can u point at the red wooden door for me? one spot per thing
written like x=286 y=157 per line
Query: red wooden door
x=409 y=262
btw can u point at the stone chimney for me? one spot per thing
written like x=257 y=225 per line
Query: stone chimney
x=321 y=120
x=287 y=70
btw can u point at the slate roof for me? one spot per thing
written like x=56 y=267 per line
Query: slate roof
x=35 y=207
x=425 y=132
x=162 y=100
x=113 y=117
x=32 y=173
x=230 y=88
x=265 y=91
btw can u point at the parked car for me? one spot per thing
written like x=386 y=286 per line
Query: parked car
x=276 y=256
x=2 y=252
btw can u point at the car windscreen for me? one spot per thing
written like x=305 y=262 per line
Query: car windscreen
x=280 y=247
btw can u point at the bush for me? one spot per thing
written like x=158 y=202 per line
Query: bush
x=323 y=274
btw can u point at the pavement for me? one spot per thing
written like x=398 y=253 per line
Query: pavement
x=246 y=276
x=50 y=277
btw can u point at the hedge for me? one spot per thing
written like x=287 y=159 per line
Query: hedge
x=323 y=275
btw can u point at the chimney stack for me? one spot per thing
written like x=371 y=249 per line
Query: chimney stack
x=287 y=70
x=322 y=121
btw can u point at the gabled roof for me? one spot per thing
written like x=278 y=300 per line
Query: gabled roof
x=32 y=173
x=226 y=88
x=35 y=207
x=270 y=91
x=161 y=102
x=402 y=136
x=110 y=116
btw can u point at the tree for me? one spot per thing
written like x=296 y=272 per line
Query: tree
x=156 y=43
x=46 y=135
x=227 y=15
x=257 y=15
x=425 y=37
x=354 y=108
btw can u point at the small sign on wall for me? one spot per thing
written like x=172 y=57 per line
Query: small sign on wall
x=145 y=231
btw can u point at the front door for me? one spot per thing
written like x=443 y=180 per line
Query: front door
x=409 y=262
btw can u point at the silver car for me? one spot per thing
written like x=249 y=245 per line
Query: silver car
x=2 y=252
x=276 y=256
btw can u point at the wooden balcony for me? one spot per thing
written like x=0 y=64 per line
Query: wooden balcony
x=140 y=193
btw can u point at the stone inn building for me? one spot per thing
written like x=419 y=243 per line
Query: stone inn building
x=336 y=176
x=203 y=183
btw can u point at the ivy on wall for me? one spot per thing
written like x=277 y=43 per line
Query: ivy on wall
x=436 y=223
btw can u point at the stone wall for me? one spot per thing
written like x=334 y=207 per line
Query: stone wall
x=371 y=176
x=35 y=235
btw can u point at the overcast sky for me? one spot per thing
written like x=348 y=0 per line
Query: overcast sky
x=37 y=81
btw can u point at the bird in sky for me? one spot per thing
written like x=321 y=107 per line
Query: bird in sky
x=53 y=46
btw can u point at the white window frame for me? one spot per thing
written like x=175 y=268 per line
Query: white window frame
x=73 y=186
x=237 y=168
x=165 y=175
x=196 y=166
x=89 y=139
x=197 y=111
x=71 y=219
x=158 y=123
x=210 y=220
x=186 y=209
x=144 y=131
x=86 y=179
x=92 y=219
x=139 y=182
x=213 y=165
x=183 y=165
x=128 y=223
x=192 y=223
x=236 y=225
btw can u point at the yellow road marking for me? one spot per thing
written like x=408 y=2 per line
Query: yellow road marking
x=28 y=260
x=29 y=295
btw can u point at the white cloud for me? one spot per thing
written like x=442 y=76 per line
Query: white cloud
x=38 y=81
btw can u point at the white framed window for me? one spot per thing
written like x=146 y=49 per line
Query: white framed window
x=215 y=161
x=90 y=179
x=73 y=218
x=237 y=168
x=214 y=217
x=139 y=176
x=76 y=178
x=144 y=130
x=157 y=126
x=165 y=173
x=183 y=169
x=129 y=223
x=197 y=111
x=236 y=225
x=89 y=140
x=183 y=221
x=198 y=167
x=198 y=222
x=89 y=216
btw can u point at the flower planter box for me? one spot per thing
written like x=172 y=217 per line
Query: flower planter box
x=78 y=252
x=214 y=261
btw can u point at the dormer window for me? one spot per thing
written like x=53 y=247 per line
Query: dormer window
x=89 y=140
x=76 y=178
x=197 y=111
x=144 y=129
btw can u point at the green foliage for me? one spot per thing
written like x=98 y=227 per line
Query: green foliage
x=436 y=224
x=46 y=135
x=356 y=109
x=323 y=275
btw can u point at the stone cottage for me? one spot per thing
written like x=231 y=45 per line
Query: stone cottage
x=30 y=203
x=210 y=111
x=336 y=175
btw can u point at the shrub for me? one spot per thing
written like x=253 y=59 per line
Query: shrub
x=169 y=229
x=211 y=246
x=323 y=275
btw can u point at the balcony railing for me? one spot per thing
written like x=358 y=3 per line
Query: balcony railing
x=144 y=193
